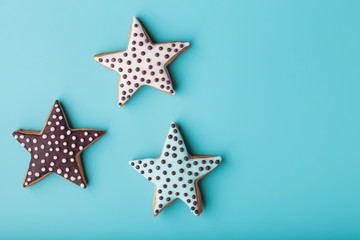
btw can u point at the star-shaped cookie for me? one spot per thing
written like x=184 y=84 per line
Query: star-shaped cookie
x=142 y=63
x=56 y=148
x=176 y=173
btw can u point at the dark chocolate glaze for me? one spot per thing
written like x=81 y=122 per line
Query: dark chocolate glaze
x=56 y=148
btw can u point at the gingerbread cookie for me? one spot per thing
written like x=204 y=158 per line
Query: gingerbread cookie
x=142 y=63
x=176 y=173
x=56 y=148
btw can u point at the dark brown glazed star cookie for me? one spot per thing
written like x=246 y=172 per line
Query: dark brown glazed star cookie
x=56 y=149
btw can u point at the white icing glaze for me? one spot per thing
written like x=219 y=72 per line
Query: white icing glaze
x=142 y=63
x=176 y=172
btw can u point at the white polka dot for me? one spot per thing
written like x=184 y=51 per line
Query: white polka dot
x=52 y=129
x=96 y=134
x=61 y=117
x=51 y=149
x=65 y=150
x=90 y=139
x=57 y=123
x=16 y=136
x=73 y=138
x=49 y=142
x=33 y=164
x=34 y=140
x=67 y=169
x=79 y=177
x=72 y=160
x=57 y=142
x=62 y=128
x=73 y=145
x=65 y=175
x=44 y=136
x=76 y=171
x=50 y=169
x=59 y=171
x=62 y=136
x=57 y=149
x=52 y=164
x=82 y=185
x=37 y=174
x=54 y=116
x=46 y=154
x=49 y=122
x=81 y=140
x=86 y=133
x=56 y=105
x=72 y=178
x=63 y=160
x=53 y=136
x=58 y=110
x=43 y=169
x=29 y=149
x=29 y=173
x=81 y=148
x=42 y=161
x=28 y=140
x=68 y=132
x=65 y=143
x=36 y=156
x=36 y=148
x=29 y=179
x=22 y=144
x=71 y=153
x=22 y=136
x=42 y=146
x=26 y=184
x=55 y=157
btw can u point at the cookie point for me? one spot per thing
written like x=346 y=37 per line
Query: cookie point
x=135 y=20
x=132 y=163
x=187 y=44
x=173 y=125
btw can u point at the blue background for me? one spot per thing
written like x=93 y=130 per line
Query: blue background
x=272 y=86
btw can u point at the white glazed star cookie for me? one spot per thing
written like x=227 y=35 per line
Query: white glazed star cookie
x=176 y=173
x=142 y=63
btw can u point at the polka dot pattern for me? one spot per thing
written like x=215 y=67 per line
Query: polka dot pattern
x=142 y=63
x=55 y=148
x=175 y=173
